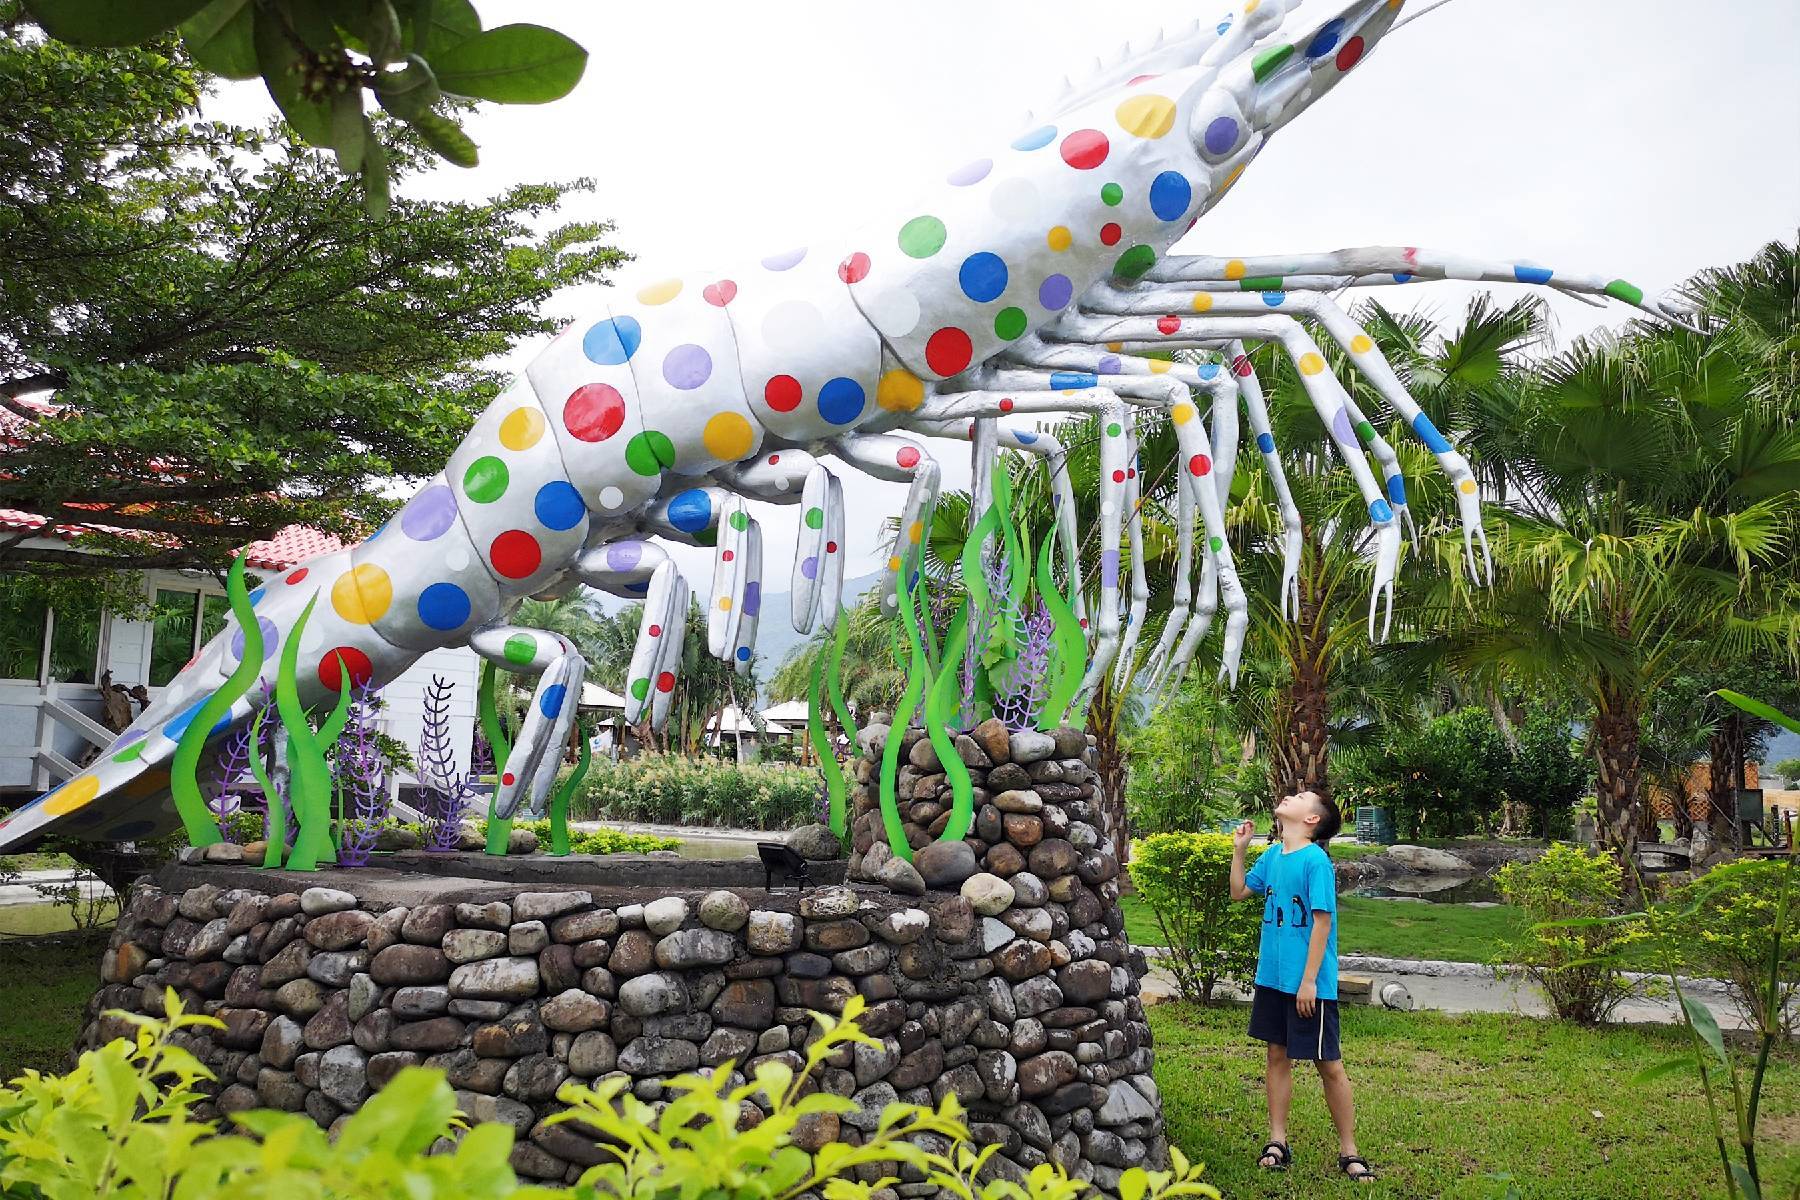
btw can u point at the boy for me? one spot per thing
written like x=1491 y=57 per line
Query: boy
x=1295 y=1007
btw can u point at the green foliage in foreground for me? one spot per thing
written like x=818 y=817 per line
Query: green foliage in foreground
x=1444 y=1103
x=1723 y=926
x=600 y=841
x=1185 y=878
x=1572 y=950
x=1387 y=928
x=121 y=1124
x=673 y=790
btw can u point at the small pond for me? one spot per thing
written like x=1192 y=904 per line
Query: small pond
x=702 y=846
x=1432 y=889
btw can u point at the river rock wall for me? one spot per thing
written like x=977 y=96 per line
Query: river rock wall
x=995 y=968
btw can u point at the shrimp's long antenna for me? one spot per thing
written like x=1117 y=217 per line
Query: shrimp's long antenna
x=1416 y=13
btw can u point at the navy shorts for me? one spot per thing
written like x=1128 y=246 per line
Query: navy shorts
x=1275 y=1017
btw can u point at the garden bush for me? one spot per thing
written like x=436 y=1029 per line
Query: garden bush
x=599 y=841
x=1575 y=944
x=672 y=790
x=1185 y=878
x=120 y=1126
x=1723 y=925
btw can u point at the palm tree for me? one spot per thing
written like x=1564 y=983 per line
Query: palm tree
x=870 y=674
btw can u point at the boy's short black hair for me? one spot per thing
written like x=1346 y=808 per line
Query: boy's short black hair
x=1331 y=821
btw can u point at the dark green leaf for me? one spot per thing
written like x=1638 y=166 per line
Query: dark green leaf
x=1757 y=708
x=409 y=92
x=108 y=22
x=1705 y=1024
x=375 y=179
x=349 y=131
x=281 y=65
x=1663 y=1068
x=222 y=38
x=1746 y=1182
x=442 y=24
x=447 y=138
x=514 y=64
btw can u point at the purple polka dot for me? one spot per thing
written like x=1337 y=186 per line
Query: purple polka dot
x=787 y=260
x=809 y=566
x=624 y=556
x=269 y=637
x=973 y=172
x=136 y=735
x=1056 y=292
x=752 y=598
x=1341 y=428
x=1109 y=569
x=429 y=514
x=1221 y=136
x=1109 y=364
x=687 y=366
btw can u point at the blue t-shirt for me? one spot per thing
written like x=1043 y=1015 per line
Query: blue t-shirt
x=1295 y=888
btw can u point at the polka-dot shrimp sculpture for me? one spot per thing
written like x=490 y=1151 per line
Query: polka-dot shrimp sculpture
x=1029 y=282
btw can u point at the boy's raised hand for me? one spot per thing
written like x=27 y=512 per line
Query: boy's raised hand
x=1240 y=837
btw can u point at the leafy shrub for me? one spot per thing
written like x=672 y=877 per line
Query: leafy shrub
x=1187 y=766
x=1185 y=878
x=672 y=790
x=1577 y=936
x=120 y=1125
x=1723 y=925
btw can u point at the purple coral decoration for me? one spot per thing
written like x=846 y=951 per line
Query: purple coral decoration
x=234 y=765
x=1019 y=701
x=359 y=772
x=443 y=791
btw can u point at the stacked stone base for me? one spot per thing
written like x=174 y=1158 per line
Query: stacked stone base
x=1019 y=998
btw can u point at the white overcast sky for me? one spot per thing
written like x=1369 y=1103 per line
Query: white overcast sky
x=1645 y=139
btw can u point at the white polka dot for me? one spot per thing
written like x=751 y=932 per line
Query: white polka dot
x=1016 y=200
x=892 y=310
x=474 y=441
x=611 y=497
x=457 y=559
x=1108 y=508
x=793 y=327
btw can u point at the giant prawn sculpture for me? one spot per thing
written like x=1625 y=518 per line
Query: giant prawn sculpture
x=1032 y=282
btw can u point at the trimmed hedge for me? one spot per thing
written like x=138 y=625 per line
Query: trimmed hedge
x=672 y=790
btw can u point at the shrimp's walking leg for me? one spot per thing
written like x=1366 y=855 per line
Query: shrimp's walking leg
x=531 y=768
x=898 y=460
x=657 y=655
x=1134 y=538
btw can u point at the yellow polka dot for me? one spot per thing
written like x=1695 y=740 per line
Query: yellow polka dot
x=363 y=594
x=1146 y=116
x=1182 y=413
x=893 y=564
x=521 y=429
x=1232 y=178
x=660 y=292
x=727 y=436
x=1360 y=344
x=1252 y=6
x=72 y=795
x=899 y=391
x=915 y=532
x=724 y=603
x=1202 y=301
x=1115 y=347
x=1234 y=269
x=1467 y=487
x=1311 y=364
x=1159 y=367
x=1060 y=238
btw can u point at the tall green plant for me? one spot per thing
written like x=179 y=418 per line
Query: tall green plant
x=309 y=778
x=196 y=819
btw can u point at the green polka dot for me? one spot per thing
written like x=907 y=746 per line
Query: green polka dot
x=1111 y=194
x=1260 y=283
x=815 y=518
x=640 y=688
x=1134 y=262
x=1264 y=64
x=1114 y=429
x=1217 y=544
x=739 y=521
x=708 y=536
x=131 y=752
x=486 y=479
x=1630 y=293
x=923 y=237
x=520 y=648
x=1009 y=323
x=1365 y=431
x=649 y=452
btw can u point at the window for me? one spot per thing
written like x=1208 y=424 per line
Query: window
x=22 y=621
x=75 y=642
x=181 y=623
x=27 y=623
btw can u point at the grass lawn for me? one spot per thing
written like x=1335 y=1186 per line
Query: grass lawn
x=45 y=983
x=1387 y=928
x=1444 y=1103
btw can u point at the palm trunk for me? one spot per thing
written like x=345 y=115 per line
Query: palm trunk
x=1618 y=739
x=1726 y=750
x=1302 y=729
x=1109 y=755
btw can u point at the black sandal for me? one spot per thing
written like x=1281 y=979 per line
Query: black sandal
x=1279 y=1152
x=1346 y=1161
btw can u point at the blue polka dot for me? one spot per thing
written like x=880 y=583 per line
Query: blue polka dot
x=174 y=729
x=743 y=653
x=1379 y=511
x=1072 y=380
x=841 y=400
x=1428 y=433
x=1396 y=486
x=558 y=505
x=256 y=597
x=1402 y=277
x=1026 y=437
x=1274 y=299
x=691 y=511
x=1223 y=26
x=1221 y=135
x=551 y=702
x=1532 y=274
x=444 y=606
x=1037 y=139
x=983 y=277
x=610 y=343
x=1209 y=370
x=1265 y=443
x=637 y=589
x=1170 y=195
x=1326 y=39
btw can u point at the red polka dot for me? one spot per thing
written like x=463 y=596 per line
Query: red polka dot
x=831 y=547
x=727 y=555
x=948 y=350
x=1084 y=622
x=908 y=457
x=1168 y=325
x=656 y=631
x=1241 y=365
x=854 y=269
x=773 y=459
x=1200 y=464
x=1006 y=405
x=515 y=554
x=782 y=393
x=720 y=294
x=1137 y=79
x=509 y=779
x=361 y=669
x=594 y=412
x=1118 y=477
x=1085 y=149
x=1131 y=472
x=297 y=576
x=1110 y=234
x=665 y=682
x=1350 y=55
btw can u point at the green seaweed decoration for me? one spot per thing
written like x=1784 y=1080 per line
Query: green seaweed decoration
x=272 y=800
x=940 y=706
x=565 y=792
x=974 y=577
x=918 y=677
x=487 y=710
x=821 y=743
x=196 y=818
x=309 y=778
x=1068 y=643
